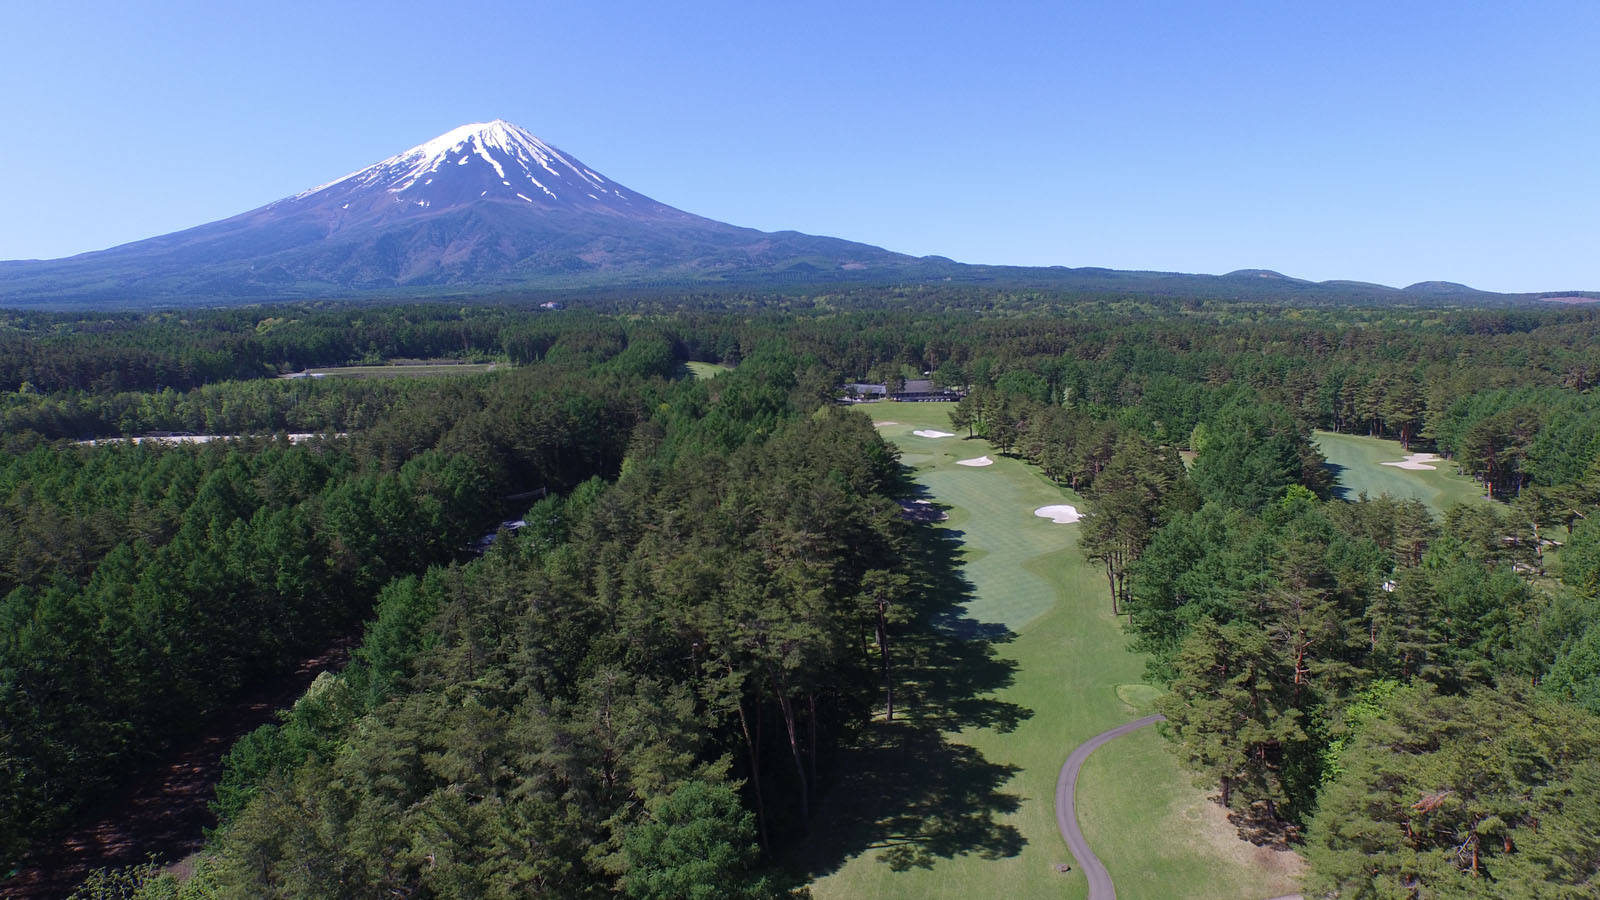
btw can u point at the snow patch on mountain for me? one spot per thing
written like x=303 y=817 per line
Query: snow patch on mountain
x=511 y=151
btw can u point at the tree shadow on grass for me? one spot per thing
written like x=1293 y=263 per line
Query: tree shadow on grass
x=912 y=797
x=1258 y=825
x=905 y=791
x=1340 y=491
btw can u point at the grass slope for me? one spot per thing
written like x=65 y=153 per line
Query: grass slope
x=1075 y=675
x=1358 y=463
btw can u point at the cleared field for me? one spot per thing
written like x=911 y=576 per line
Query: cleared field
x=1358 y=463
x=1073 y=677
x=705 y=369
x=421 y=370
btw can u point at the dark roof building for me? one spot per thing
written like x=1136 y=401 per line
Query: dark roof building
x=914 y=390
x=918 y=389
x=859 y=389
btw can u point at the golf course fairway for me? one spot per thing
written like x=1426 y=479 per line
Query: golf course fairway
x=705 y=369
x=1158 y=835
x=1358 y=462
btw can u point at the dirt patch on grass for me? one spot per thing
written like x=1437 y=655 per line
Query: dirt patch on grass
x=1215 y=836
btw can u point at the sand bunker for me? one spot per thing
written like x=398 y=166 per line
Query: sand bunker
x=881 y=424
x=922 y=511
x=171 y=439
x=1416 y=461
x=929 y=433
x=975 y=463
x=1061 y=514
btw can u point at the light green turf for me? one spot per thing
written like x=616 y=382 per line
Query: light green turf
x=705 y=369
x=1360 y=461
x=1073 y=673
x=1160 y=837
x=1139 y=695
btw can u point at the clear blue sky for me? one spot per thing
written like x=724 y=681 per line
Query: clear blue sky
x=1391 y=142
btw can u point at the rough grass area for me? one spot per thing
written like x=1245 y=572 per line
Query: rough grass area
x=419 y=370
x=1068 y=677
x=1186 y=847
x=1358 y=463
x=705 y=369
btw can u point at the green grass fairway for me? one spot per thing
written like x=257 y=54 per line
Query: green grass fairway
x=1132 y=786
x=705 y=369
x=421 y=370
x=1360 y=468
x=1074 y=673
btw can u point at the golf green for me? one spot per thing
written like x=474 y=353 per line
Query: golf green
x=1073 y=678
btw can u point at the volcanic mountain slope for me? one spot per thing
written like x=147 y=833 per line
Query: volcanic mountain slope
x=488 y=207
x=482 y=204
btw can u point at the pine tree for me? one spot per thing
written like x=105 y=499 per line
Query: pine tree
x=1230 y=715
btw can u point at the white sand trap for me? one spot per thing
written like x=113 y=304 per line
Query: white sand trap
x=881 y=424
x=978 y=462
x=1416 y=461
x=930 y=433
x=172 y=439
x=1062 y=514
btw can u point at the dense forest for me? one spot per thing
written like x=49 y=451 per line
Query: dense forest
x=647 y=686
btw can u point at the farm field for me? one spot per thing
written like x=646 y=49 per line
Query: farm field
x=1073 y=678
x=1358 y=463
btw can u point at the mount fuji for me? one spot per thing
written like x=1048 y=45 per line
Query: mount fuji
x=488 y=208
x=482 y=205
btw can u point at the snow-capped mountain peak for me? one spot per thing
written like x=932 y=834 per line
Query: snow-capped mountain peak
x=480 y=205
x=490 y=142
x=481 y=161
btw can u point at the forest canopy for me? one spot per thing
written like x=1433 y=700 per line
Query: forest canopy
x=647 y=686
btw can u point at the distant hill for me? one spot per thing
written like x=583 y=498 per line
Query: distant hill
x=490 y=207
x=1440 y=289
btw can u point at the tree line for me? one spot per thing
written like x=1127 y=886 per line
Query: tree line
x=634 y=694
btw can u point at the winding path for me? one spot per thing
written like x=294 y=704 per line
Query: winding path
x=1100 y=886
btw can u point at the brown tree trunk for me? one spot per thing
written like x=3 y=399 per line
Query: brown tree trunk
x=811 y=735
x=753 y=746
x=786 y=706
x=883 y=651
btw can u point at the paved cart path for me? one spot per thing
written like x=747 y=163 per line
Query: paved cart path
x=1100 y=886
